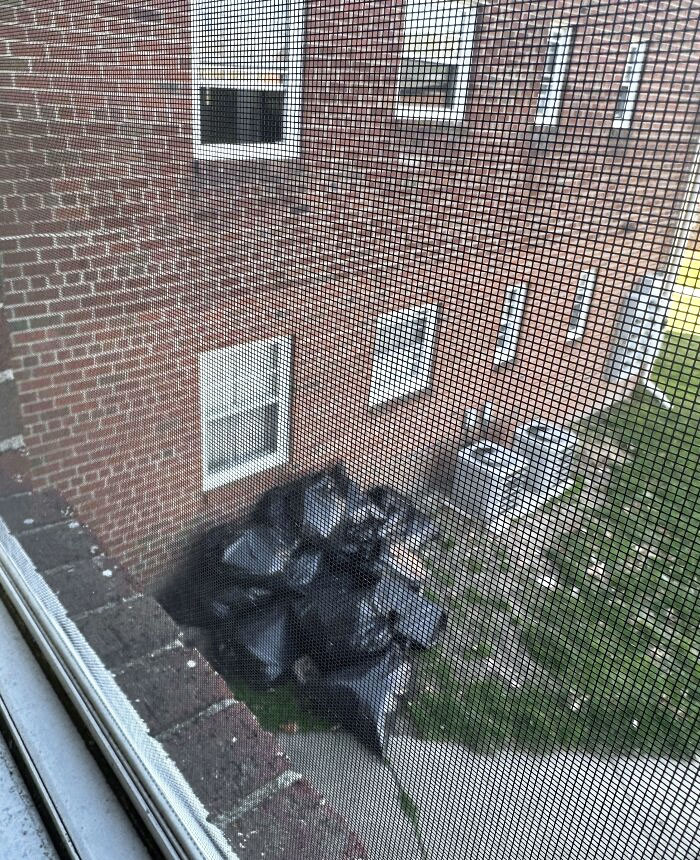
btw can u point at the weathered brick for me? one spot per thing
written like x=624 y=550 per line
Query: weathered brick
x=292 y=824
x=127 y=631
x=225 y=756
x=171 y=687
x=56 y=545
x=83 y=586
x=10 y=421
x=32 y=509
x=14 y=473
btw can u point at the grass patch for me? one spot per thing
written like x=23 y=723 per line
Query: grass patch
x=279 y=707
x=408 y=807
x=621 y=632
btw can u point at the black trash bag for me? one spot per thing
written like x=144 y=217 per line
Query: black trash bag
x=188 y=593
x=237 y=600
x=404 y=566
x=356 y=551
x=258 y=647
x=330 y=501
x=312 y=507
x=415 y=620
x=257 y=556
x=275 y=508
x=363 y=696
x=302 y=570
x=338 y=624
x=402 y=519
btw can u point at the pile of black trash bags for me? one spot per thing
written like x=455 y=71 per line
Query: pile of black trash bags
x=321 y=583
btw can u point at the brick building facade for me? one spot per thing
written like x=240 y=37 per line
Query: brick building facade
x=129 y=251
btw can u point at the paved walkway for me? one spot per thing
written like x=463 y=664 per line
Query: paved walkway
x=507 y=806
x=22 y=833
x=563 y=806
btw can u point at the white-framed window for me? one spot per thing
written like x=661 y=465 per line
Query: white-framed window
x=582 y=304
x=244 y=400
x=403 y=353
x=436 y=51
x=247 y=78
x=509 y=327
x=556 y=66
x=629 y=86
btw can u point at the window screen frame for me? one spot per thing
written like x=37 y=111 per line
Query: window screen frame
x=213 y=479
x=381 y=394
x=561 y=33
x=455 y=113
x=635 y=69
x=515 y=293
x=290 y=145
x=583 y=299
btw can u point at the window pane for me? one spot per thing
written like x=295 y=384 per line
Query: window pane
x=241 y=116
x=432 y=42
x=243 y=36
x=231 y=442
x=427 y=84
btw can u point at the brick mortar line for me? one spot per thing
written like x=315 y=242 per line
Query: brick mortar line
x=156 y=652
x=98 y=610
x=30 y=530
x=209 y=711
x=255 y=798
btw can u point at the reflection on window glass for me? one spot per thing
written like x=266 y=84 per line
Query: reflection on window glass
x=435 y=57
x=627 y=94
x=245 y=413
x=554 y=75
x=402 y=353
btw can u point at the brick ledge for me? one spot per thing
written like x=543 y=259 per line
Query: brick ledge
x=235 y=768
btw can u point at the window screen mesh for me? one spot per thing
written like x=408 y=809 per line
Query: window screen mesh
x=365 y=338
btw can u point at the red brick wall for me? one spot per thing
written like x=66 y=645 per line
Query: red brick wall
x=124 y=259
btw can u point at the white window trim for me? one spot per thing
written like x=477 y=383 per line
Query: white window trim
x=454 y=114
x=212 y=480
x=385 y=394
x=290 y=145
x=515 y=296
x=633 y=70
x=582 y=305
x=563 y=34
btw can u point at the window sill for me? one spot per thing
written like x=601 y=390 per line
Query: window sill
x=230 y=476
x=246 y=152
x=398 y=396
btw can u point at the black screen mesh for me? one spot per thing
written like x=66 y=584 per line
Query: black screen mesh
x=365 y=336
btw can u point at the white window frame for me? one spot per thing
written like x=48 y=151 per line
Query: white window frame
x=582 y=305
x=290 y=145
x=455 y=113
x=632 y=76
x=403 y=386
x=211 y=480
x=510 y=323
x=561 y=37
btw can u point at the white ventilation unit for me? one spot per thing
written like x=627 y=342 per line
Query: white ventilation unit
x=550 y=449
x=490 y=481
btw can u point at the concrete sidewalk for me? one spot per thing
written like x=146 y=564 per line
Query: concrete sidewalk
x=507 y=806
x=22 y=832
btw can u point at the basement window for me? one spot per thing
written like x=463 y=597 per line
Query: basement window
x=556 y=66
x=511 y=322
x=403 y=353
x=247 y=65
x=244 y=398
x=627 y=94
x=582 y=305
x=435 y=59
